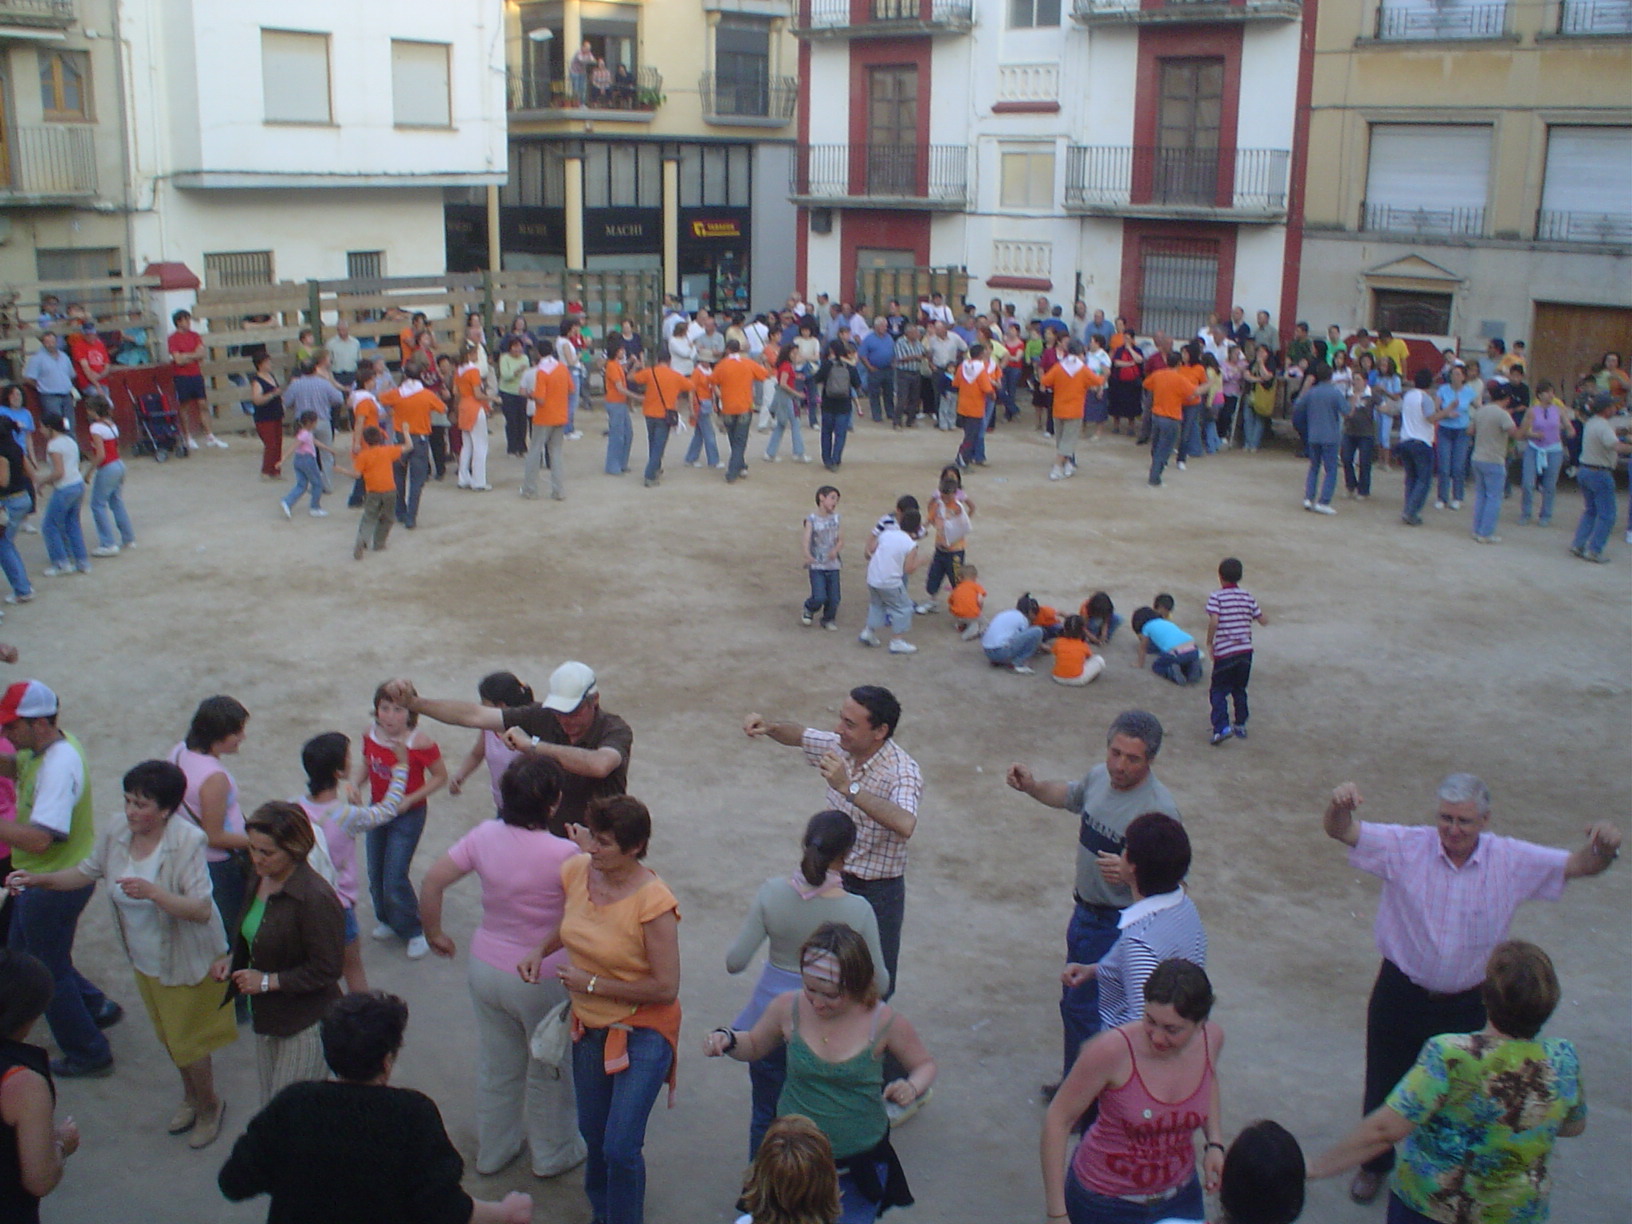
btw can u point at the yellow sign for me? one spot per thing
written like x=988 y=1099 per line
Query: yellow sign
x=716 y=229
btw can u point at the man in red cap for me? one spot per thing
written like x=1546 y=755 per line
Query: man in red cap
x=53 y=832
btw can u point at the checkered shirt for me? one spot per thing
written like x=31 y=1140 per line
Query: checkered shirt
x=879 y=853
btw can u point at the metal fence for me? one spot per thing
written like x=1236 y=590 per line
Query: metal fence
x=938 y=173
x=38 y=12
x=751 y=98
x=48 y=160
x=838 y=14
x=1404 y=219
x=1115 y=175
x=642 y=90
x=1606 y=229
x=1595 y=17
x=1399 y=23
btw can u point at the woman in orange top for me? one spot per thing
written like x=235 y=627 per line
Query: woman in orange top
x=621 y=929
x=973 y=380
x=619 y=438
x=665 y=389
x=473 y=403
x=1075 y=662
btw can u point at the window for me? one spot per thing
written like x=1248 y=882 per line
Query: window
x=419 y=84
x=230 y=269
x=77 y=264
x=1028 y=180
x=365 y=265
x=295 y=77
x=1583 y=197
x=1405 y=311
x=715 y=174
x=742 y=66
x=1192 y=105
x=65 y=84
x=1178 y=284
x=1427 y=178
x=1024 y=14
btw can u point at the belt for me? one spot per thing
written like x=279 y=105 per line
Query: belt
x=1597 y=467
x=1101 y=909
x=1148 y=1199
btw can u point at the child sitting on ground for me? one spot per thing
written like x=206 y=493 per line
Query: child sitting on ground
x=1100 y=618
x=1177 y=658
x=1045 y=618
x=965 y=602
x=1075 y=663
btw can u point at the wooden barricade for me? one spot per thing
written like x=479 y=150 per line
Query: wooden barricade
x=121 y=305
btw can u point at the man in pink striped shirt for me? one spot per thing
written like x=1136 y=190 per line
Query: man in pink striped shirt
x=1449 y=893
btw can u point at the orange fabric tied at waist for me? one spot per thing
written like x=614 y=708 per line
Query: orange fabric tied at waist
x=664 y=1017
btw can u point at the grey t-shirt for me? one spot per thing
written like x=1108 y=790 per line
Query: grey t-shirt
x=1106 y=814
x=1598 y=443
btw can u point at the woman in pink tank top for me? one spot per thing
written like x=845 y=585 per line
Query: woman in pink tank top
x=1156 y=1087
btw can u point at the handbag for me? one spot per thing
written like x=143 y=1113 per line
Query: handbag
x=552 y=1037
x=671 y=417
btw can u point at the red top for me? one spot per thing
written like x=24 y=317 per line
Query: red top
x=1141 y=1144
x=183 y=344
x=88 y=348
x=382 y=760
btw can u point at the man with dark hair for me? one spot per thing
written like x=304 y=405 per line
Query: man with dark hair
x=1324 y=406
x=1107 y=800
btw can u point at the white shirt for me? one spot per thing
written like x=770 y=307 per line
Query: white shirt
x=57 y=788
x=887 y=567
x=1099 y=361
x=65 y=446
x=937 y=314
x=144 y=933
x=1414 y=409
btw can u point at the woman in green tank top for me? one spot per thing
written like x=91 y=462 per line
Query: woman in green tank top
x=837 y=1033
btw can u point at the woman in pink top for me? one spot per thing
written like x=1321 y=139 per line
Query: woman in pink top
x=518 y=1099
x=1156 y=1087
x=211 y=801
x=498 y=691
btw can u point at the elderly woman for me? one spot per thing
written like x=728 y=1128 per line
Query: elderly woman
x=620 y=926
x=211 y=801
x=1479 y=1112
x=837 y=1034
x=287 y=948
x=519 y=1101
x=788 y=910
x=162 y=909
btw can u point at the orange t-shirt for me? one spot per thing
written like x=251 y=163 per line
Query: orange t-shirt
x=702 y=386
x=972 y=392
x=413 y=412
x=608 y=940
x=551 y=390
x=735 y=377
x=1046 y=616
x=617 y=390
x=1169 y=390
x=664 y=387
x=468 y=383
x=365 y=411
x=1070 y=654
x=964 y=602
x=407 y=341
x=1070 y=390
x=373 y=464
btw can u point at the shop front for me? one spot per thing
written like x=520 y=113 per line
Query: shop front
x=714 y=258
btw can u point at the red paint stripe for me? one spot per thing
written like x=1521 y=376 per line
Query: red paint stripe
x=1292 y=260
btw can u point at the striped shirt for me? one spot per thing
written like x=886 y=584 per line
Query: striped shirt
x=879 y=853
x=1153 y=930
x=1236 y=609
x=1439 y=922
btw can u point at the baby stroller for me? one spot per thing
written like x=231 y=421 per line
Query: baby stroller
x=158 y=427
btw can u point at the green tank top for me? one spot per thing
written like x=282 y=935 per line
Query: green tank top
x=72 y=850
x=844 y=1099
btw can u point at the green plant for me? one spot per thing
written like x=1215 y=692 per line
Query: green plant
x=649 y=99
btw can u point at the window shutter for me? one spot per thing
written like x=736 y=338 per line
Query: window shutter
x=1428 y=166
x=1587 y=170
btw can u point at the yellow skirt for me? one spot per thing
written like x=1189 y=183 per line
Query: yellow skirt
x=189 y=1020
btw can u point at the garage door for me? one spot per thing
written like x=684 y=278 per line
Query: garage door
x=1569 y=340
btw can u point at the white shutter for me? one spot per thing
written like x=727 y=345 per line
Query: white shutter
x=419 y=84
x=1428 y=166
x=1587 y=170
x=295 y=76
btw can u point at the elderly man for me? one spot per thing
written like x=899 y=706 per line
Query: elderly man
x=591 y=746
x=1106 y=800
x=1449 y=894
x=911 y=367
x=50 y=372
x=946 y=350
x=344 y=350
x=877 y=354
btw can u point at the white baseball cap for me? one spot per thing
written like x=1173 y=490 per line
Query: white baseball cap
x=571 y=685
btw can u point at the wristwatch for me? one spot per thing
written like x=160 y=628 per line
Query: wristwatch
x=854 y=788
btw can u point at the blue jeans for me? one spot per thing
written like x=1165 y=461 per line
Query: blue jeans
x=412 y=469
x=972 y=448
x=1230 y=677
x=1487 y=498
x=1092 y=931
x=824 y=595
x=1083 y=1206
x=390 y=850
x=1164 y=435
x=61 y=404
x=64 y=542
x=1417 y=458
x=1010 y=384
x=108 y=506
x=657 y=441
x=1018 y=648
x=1356 y=454
x=765 y=1079
x=1210 y=441
x=703 y=439
x=1452 y=453
x=612 y=1115
x=737 y=425
x=1598 y=514
x=785 y=415
x=854 y=1206
x=573 y=397
x=308 y=479
x=1252 y=427
x=1321 y=455
x=835 y=425
x=881 y=392
x=11 y=561
x=1180 y=668
x=1541 y=468
x=1190 y=432
x=43 y=923
x=889 y=607
x=619 y=439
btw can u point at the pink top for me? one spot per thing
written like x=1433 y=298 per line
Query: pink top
x=200 y=767
x=341 y=821
x=1545 y=425
x=522 y=896
x=1439 y=922
x=304 y=444
x=498 y=756
x=1141 y=1144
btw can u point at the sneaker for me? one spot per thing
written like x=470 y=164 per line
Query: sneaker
x=1456 y=505
x=52 y=571
x=1054 y=474
x=1020 y=669
x=418 y=949
x=924 y=609
x=1219 y=737
x=1490 y=539
x=830 y=625
x=1439 y=505
x=1323 y=508
x=901 y=646
x=1070 y=470
x=112 y=550
x=806 y=619
x=109 y=1016
x=1180 y=465
x=1597 y=558
x=193 y=446
x=30 y=529
x=575 y=435
x=382 y=931
x=1575 y=551
x=718 y=467
x=1411 y=520
x=20 y=599
x=1308 y=504
x=900 y=1115
x=287 y=513
x=691 y=463
x=770 y=458
x=1239 y=732
x=806 y=459
x=867 y=638
x=320 y=514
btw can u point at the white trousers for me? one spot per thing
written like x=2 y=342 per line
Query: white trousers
x=1090 y=672
x=473 y=456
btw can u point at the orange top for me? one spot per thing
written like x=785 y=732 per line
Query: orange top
x=608 y=940
x=407 y=341
x=1070 y=390
x=964 y=602
x=365 y=411
x=373 y=464
x=413 y=412
x=735 y=377
x=972 y=392
x=702 y=386
x=551 y=390
x=468 y=383
x=664 y=387
x=1046 y=616
x=1070 y=654
x=617 y=391
x=1169 y=391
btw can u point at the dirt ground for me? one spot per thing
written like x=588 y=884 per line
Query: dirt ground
x=1392 y=657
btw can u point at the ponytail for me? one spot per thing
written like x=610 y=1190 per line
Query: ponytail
x=828 y=836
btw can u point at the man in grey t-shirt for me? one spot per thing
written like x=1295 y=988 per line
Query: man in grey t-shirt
x=1107 y=799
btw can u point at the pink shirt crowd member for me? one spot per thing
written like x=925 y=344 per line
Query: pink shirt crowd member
x=522 y=896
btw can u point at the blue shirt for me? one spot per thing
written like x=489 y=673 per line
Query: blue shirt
x=877 y=351
x=966 y=334
x=1054 y=325
x=1104 y=330
x=1165 y=635
x=1325 y=407
x=52 y=373
x=1461 y=401
x=22 y=420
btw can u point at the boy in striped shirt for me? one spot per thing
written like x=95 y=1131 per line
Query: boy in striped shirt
x=1230 y=613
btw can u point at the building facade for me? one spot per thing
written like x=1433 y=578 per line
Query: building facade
x=1137 y=154
x=1468 y=174
x=646 y=135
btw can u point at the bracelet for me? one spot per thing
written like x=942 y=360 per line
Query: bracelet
x=730 y=1039
x=266 y=979
x=1219 y=1146
x=593 y=978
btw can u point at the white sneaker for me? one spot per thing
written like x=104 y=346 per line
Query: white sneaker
x=866 y=637
x=212 y=440
x=575 y=435
x=1439 y=505
x=1055 y=474
x=1020 y=669
x=30 y=529
x=1308 y=504
x=112 y=550
x=320 y=514
x=1181 y=465
x=287 y=513
x=1456 y=505
x=924 y=609
x=801 y=458
x=52 y=571
x=418 y=949
x=769 y=458
x=717 y=466
x=1323 y=508
x=382 y=931
x=193 y=446
x=1070 y=470
x=691 y=463
x=902 y=646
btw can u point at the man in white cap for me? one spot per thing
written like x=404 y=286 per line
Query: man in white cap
x=53 y=832
x=591 y=746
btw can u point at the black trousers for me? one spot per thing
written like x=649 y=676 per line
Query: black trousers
x=889 y=901
x=1399 y=1018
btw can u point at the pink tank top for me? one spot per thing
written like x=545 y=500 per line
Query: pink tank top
x=1140 y=1144
x=200 y=767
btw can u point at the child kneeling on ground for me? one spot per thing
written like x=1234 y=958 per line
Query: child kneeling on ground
x=1177 y=657
x=1075 y=662
x=965 y=602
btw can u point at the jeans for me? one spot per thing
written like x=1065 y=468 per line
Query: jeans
x=1190 y=432
x=1252 y=428
x=1089 y=936
x=545 y=447
x=11 y=561
x=612 y=1114
x=574 y=396
x=1164 y=433
x=439 y=451
x=1541 y=468
x=1417 y=458
x=1083 y=1206
x=657 y=441
x=702 y=439
x=390 y=850
x=946 y=407
x=1006 y=390
x=308 y=478
x=1356 y=454
x=889 y=607
x=1230 y=676
x=1487 y=498
x=737 y=427
x=1018 y=648
x=881 y=393
x=835 y=425
x=1597 y=515
x=108 y=506
x=974 y=434
x=323 y=431
x=1452 y=453
x=1322 y=455
x=620 y=438
x=1399 y=1213
x=227 y=887
x=1180 y=668
x=765 y=1079
x=61 y=404
x=824 y=595
x=854 y=1206
x=947 y=564
x=64 y=542
x=43 y=924
x=785 y=415
x=412 y=470
x=514 y=408
x=888 y=897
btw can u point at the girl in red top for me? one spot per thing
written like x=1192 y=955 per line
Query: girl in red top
x=107 y=486
x=391 y=846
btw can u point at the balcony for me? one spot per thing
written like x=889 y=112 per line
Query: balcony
x=930 y=178
x=1595 y=19
x=1441 y=22
x=880 y=18
x=1422 y=222
x=751 y=102
x=47 y=164
x=630 y=97
x=39 y=14
x=1156 y=12
x=1598 y=229
x=1240 y=185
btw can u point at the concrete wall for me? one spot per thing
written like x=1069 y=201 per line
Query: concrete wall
x=773 y=262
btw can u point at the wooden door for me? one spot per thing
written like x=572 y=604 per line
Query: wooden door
x=1187 y=132
x=892 y=131
x=1568 y=340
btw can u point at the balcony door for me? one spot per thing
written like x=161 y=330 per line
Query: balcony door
x=1192 y=103
x=892 y=131
x=5 y=136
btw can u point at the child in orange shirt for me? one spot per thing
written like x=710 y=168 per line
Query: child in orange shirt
x=375 y=468
x=965 y=602
x=1075 y=662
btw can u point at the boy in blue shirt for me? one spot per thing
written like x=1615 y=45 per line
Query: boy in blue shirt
x=1177 y=658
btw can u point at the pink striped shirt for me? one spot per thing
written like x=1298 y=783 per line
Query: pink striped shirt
x=1439 y=922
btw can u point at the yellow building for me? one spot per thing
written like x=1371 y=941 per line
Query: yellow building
x=647 y=134
x=1470 y=174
